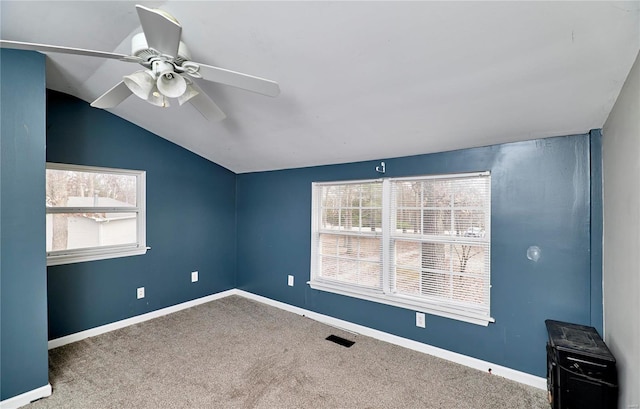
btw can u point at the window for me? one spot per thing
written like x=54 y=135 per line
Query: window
x=93 y=213
x=421 y=243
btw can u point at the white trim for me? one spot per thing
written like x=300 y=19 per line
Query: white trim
x=98 y=254
x=92 y=209
x=141 y=203
x=499 y=370
x=78 y=336
x=386 y=236
x=445 y=176
x=94 y=169
x=446 y=310
x=315 y=197
x=26 y=398
x=346 y=182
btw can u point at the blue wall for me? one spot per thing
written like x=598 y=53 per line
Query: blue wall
x=190 y=222
x=23 y=280
x=540 y=196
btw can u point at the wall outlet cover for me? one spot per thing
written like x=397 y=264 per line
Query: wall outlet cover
x=194 y=276
x=290 y=281
x=140 y=292
x=420 y=320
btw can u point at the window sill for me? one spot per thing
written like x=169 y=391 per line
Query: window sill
x=94 y=255
x=402 y=302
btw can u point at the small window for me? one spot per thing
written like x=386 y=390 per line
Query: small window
x=93 y=213
x=420 y=243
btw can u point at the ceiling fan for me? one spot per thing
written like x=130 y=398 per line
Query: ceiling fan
x=168 y=69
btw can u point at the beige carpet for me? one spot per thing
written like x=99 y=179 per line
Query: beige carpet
x=236 y=353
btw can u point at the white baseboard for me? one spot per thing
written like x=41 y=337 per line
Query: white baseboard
x=518 y=376
x=499 y=370
x=78 y=336
x=26 y=398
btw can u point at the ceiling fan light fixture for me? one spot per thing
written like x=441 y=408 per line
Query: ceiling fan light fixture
x=156 y=98
x=188 y=94
x=171 y=84
x=141 y=83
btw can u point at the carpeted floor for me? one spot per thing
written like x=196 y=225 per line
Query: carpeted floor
x=237 y=353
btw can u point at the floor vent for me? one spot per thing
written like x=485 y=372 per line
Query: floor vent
x=340 y=341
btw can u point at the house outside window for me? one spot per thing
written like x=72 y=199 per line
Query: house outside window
x=421 y=243
x=93 y=213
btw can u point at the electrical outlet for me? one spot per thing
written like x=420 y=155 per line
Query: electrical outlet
x=194 y=276
x=290 y=281
x=140 y=292
x=420 y=320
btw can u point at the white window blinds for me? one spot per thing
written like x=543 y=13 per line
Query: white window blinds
x=440 y=240
x=350 y=233
x=421 y=243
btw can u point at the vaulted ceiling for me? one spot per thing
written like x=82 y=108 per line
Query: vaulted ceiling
x=358 y=80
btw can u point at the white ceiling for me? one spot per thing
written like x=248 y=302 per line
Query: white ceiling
x=359 y=80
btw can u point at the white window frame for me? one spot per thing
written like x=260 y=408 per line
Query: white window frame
x=385 y=293
x=103 y=252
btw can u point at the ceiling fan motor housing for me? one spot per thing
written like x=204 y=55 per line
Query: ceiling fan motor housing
x=140 y=48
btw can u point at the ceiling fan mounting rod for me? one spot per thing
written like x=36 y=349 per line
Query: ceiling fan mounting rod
x=162 y=67
x=158 y=54
x=148 y=60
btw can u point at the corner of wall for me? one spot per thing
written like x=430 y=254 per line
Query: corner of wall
x=595 y=161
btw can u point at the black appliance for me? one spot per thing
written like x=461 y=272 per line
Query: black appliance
x=581 y=371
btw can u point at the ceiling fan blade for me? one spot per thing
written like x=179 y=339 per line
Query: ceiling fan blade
x=236 y=79
x=113 y=97
x=206 y=106
x=19 y=45
x=161 y=30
